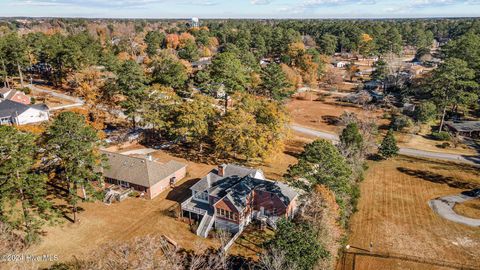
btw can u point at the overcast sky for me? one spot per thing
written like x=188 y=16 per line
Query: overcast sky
x=240 y=8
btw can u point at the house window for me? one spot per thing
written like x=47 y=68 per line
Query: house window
x=274 y=211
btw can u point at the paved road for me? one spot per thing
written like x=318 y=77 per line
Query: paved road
x=444 y=207
x=473 y=160
x=77 y=101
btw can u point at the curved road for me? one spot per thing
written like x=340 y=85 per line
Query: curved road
x=472 y=160
x=444 y=207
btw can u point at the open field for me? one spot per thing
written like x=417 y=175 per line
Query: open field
x=421 y=141
x=469 y=209
x=394 y=215
x=322 y=115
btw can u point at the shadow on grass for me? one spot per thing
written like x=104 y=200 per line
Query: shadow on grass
x=436 y=178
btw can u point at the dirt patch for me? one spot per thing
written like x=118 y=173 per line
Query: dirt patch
x=324 y=115
x=469 y=209
x=394 y=215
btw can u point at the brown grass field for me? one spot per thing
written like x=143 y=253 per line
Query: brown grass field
x=469 y=208
x=394 y=215
x=320 y=114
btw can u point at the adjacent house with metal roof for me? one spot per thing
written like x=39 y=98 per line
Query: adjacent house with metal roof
x=230 y=196
x=16 y=113
x=144 y=175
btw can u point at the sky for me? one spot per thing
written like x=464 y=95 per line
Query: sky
x=240 y=8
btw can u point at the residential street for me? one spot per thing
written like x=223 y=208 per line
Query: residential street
x=473 y=160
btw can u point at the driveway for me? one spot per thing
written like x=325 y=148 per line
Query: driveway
x=77 y=101
x=444 y=207
x=472 y=160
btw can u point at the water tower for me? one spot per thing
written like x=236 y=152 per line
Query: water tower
x=195 y=22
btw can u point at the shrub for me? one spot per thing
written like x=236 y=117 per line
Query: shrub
x=26 y=90
x=441 y=136
x=425 y=112
x=400 y=122
x=444 y=145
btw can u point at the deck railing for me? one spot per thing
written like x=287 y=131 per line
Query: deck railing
x=185 y=206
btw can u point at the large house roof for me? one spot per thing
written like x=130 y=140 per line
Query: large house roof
x=229 y=170
x=138 y=171
x=464 y=126
x=238 y=192
x=10 y=108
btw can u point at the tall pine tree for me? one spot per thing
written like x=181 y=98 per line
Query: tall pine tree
x=389 y=147
x=23 y=203
x=73 y=147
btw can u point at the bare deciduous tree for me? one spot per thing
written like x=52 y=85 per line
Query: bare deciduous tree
x=274 y=259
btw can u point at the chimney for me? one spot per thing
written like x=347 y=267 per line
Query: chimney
x=149 y=157
x=221 y=169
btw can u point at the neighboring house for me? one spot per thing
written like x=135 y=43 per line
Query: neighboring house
x=15 y=113
x=142 y=174
x=340 y=64
x=465 y=128
x=14 y=95
x=230 y=196
x=202 y=63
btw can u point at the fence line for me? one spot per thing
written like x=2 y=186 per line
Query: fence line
x=404 y=257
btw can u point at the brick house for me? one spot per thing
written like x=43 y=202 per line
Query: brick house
x=230 y=196
x=142 y=174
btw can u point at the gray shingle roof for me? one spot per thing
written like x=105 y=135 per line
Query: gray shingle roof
x=139 y=171
x=464 y=126
x=10 y=108
x=229 y=170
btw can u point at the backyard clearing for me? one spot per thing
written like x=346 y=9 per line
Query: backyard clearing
x=394 y=215
x=101 y=224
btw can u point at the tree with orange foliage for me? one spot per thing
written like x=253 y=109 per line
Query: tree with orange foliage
x=292 y=76
x=87 y=83
x=172 y=41
x=295 y=51
x=366 y=44
x=185 y=38
x=351 y=69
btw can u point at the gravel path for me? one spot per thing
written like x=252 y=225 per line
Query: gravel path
x=444 y=207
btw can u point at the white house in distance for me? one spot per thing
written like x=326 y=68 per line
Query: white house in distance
x=16 y=113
